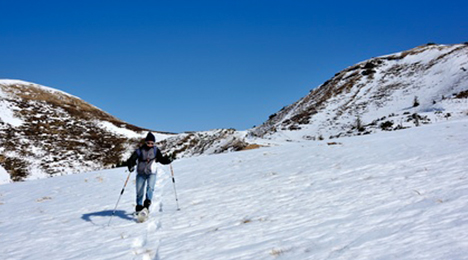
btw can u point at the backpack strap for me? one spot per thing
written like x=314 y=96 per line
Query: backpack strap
x=138 y=151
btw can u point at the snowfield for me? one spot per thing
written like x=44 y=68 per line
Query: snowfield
x=391 y=195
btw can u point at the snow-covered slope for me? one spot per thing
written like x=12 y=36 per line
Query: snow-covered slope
x=419 y=86
x=395 y=195
x=414 y=87
x=47 y=132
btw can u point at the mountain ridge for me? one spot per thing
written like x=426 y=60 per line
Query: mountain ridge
x=407 y=89
x=377 y=88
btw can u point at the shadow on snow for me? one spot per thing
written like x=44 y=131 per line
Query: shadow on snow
x=107 y=213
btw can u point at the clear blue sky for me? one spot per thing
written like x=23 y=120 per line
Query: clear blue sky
x=198 y=65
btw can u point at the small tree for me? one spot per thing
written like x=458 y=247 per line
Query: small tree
x=416 y=101
x=386 y=126
x=359 y=126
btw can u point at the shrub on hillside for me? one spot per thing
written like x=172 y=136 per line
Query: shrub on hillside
x=416 y=101
x=387 y=125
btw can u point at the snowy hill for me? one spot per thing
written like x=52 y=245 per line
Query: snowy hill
x=394 y=195
x=47 y=132
x=406 y=89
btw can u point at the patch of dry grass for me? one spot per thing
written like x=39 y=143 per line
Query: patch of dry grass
x=252 y=147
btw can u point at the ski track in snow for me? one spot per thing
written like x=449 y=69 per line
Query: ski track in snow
x=146 y=246
x=395 y=195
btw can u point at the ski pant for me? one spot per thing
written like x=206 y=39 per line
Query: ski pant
x=141 y=180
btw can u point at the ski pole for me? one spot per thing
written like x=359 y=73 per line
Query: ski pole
x=175 y=191
x=123 y=189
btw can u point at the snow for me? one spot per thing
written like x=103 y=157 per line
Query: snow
x=4 y=176
x=392 y=195
x=118 y=130
x=6 y=111
x=7 y=115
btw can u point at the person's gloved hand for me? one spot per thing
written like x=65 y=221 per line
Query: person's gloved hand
x=172 y=156
x=131 y=168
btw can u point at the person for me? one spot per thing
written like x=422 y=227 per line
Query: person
x=145 y=158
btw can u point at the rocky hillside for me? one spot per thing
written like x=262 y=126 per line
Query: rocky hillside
x=207 y=142
x=397 y=91
x=46 y=132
